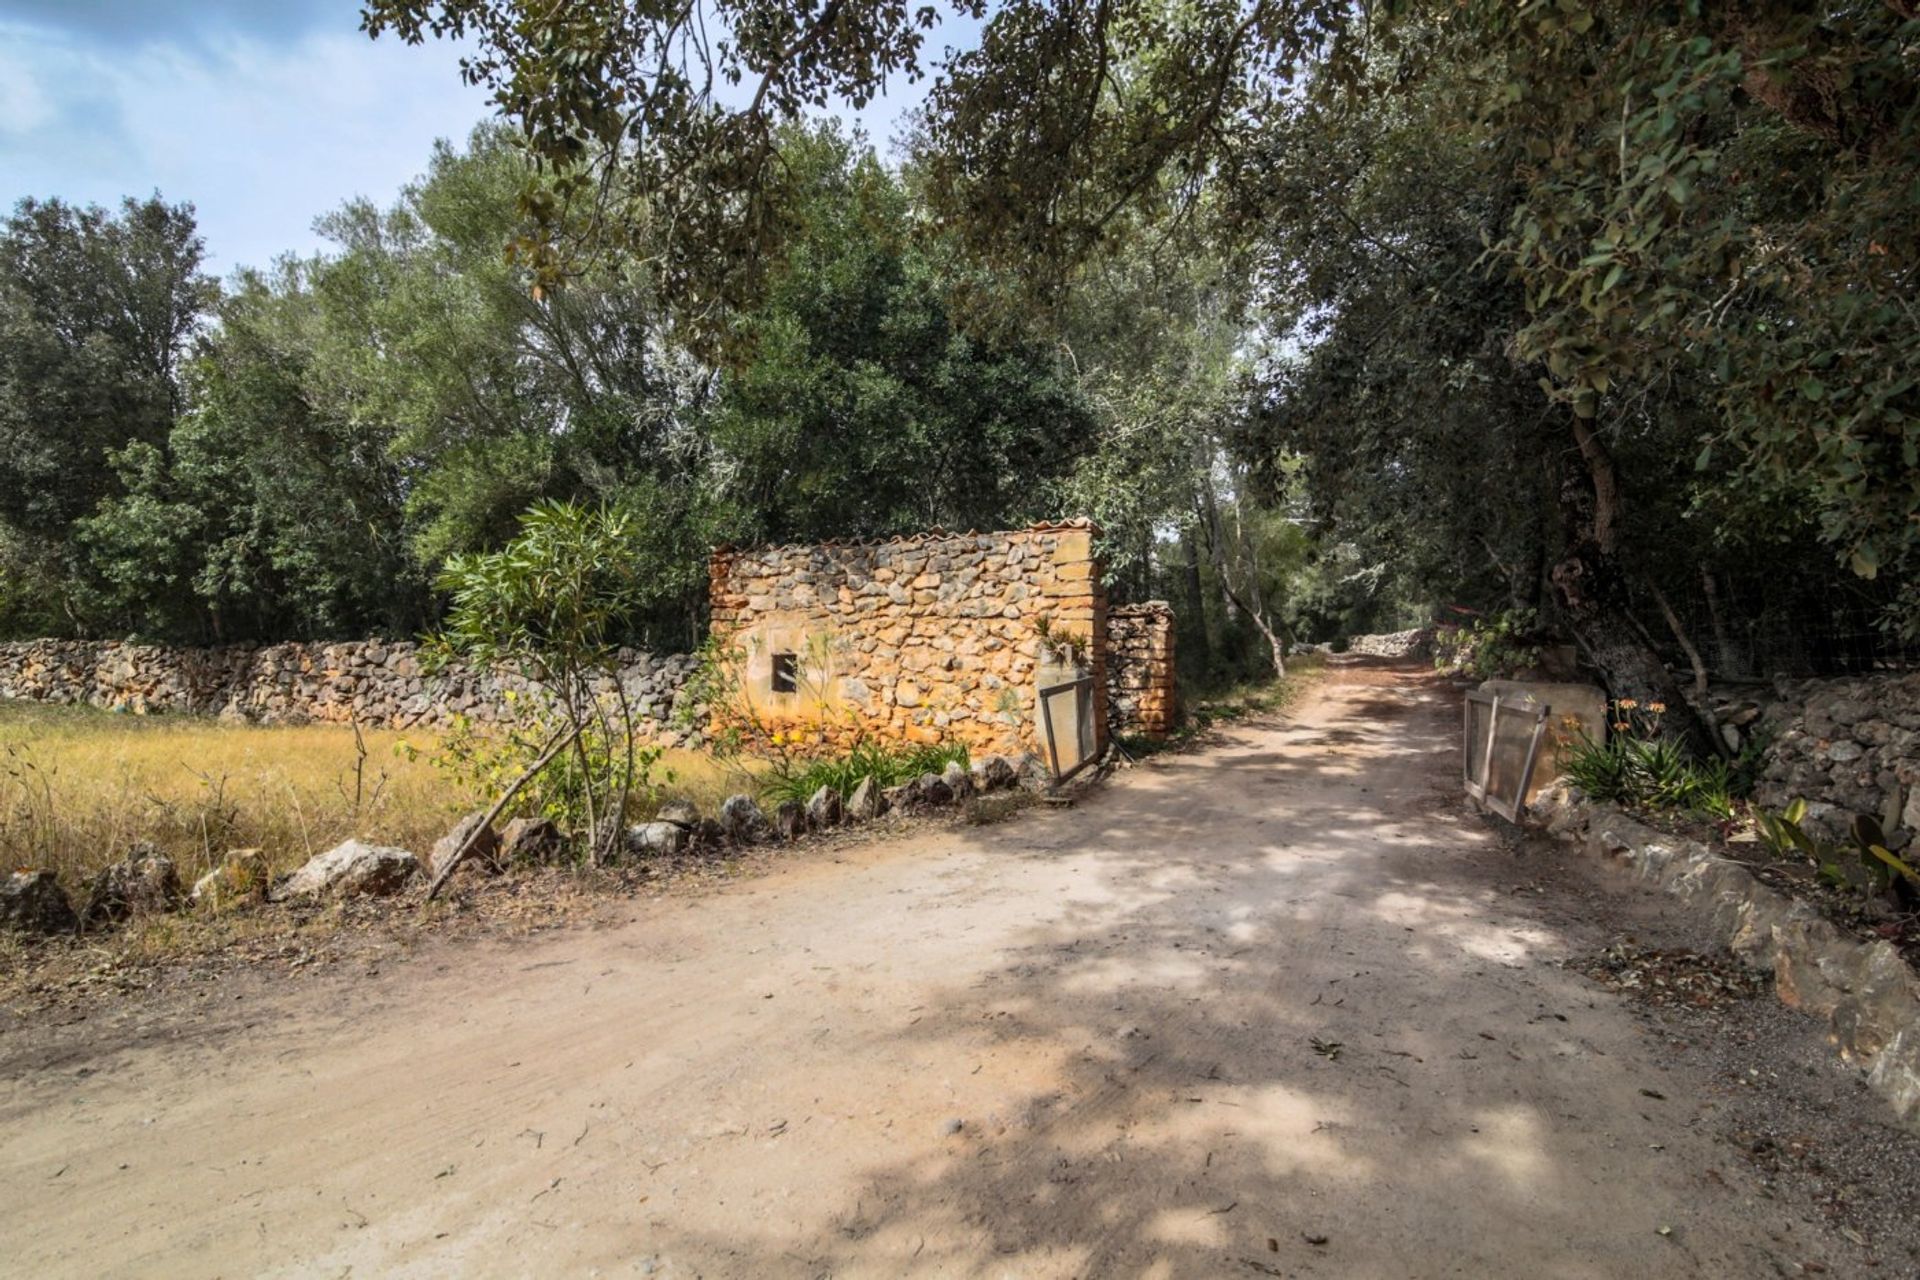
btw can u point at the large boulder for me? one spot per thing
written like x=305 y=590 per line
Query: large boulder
x=743 y=822
x=242 y=876
x=790 y=820
x=483 y=852
x=825 y=809
x=657 y=839
x=682 y=813
x=535 y=840
x=355 y=869
x=867 y=802
x=143 y=883
x=34 y=902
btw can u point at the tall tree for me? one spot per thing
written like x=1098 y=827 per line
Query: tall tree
x=1069 y=119
x=97 y=311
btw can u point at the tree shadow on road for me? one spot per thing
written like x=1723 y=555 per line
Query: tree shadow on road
x=1291 y=1025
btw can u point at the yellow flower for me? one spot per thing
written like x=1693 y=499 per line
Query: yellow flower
x=1620 y=726
x=1656 y=707
x=1627 y=704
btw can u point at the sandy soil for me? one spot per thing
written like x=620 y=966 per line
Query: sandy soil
x=1278 y=1008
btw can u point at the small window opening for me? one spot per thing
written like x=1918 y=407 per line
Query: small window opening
x=786 y=673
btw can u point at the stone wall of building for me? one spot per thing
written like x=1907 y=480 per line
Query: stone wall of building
x=372 y=682
x=1142 y=688
x=1846 y=747
x=931 y=638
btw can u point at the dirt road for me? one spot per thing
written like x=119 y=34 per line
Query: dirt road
x=1277 y=1008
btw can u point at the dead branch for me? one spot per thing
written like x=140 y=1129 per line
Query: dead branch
x=558 y=743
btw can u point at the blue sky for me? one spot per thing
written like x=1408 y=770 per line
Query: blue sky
x=263 y=113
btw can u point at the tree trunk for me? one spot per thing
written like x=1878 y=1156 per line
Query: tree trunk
x=1591 y=591
x=1731 y=663
x=1216 y=541
x=1196 y=601
x=1275 y=644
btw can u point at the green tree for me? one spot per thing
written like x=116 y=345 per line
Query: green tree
x=1643 y=173
x=552 y=605
x=273 y=510
x=97 y=311
x=862 y=405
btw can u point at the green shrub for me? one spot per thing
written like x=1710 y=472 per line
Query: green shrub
x=1603 y=770
x=798 y=777
x=1784 y=835
x=1488 y=647
x=1636 y=766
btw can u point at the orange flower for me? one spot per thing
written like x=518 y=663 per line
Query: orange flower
x=1627 y=704
x=1657 y=708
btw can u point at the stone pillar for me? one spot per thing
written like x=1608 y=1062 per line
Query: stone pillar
x=1143 y=685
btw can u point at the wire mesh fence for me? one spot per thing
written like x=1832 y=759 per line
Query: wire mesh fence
x=1805 y=628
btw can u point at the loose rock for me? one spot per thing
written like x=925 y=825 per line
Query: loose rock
x=531 y=840
x=742 y=820
x=959 y=781
x=143 y=882
x=657 y=839
x=995 y=773
x=484 y=853
x=34 y=902
x=790 y=820
x=825 y=809
x=241 y=877
x=679 y=812
x=867 y=802
x=353 y=869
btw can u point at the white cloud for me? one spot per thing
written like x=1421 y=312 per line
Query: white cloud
x=24 y=105
x=262 y=137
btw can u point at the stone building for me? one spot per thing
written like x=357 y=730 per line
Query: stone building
x=938 y=637
x=930 y=638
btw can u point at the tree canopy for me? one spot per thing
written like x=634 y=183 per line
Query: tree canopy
x=1333 y=317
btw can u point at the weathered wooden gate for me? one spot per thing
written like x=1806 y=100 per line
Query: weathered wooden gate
x=1066 y=726
x=1500 y=746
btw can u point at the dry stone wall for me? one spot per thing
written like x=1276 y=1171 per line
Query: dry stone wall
x=932 y=638
x=1142 y=689
x=373 y=682
x=1417 y=643
x=1847 y=747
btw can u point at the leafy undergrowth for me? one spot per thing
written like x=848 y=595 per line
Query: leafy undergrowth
x=796 y=776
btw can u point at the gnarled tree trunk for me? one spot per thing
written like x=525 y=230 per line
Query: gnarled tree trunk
x=1591 y=591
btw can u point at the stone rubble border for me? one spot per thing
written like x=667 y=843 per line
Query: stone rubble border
x=1866 y=992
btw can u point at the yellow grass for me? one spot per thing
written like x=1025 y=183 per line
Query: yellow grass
x=79 y=786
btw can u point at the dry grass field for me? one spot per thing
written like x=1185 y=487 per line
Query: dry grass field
x=78 y=786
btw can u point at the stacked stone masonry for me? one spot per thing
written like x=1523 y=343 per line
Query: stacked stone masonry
x=1142 y=688
x=1847 y=747
x=372 y=682
x=934 y=638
